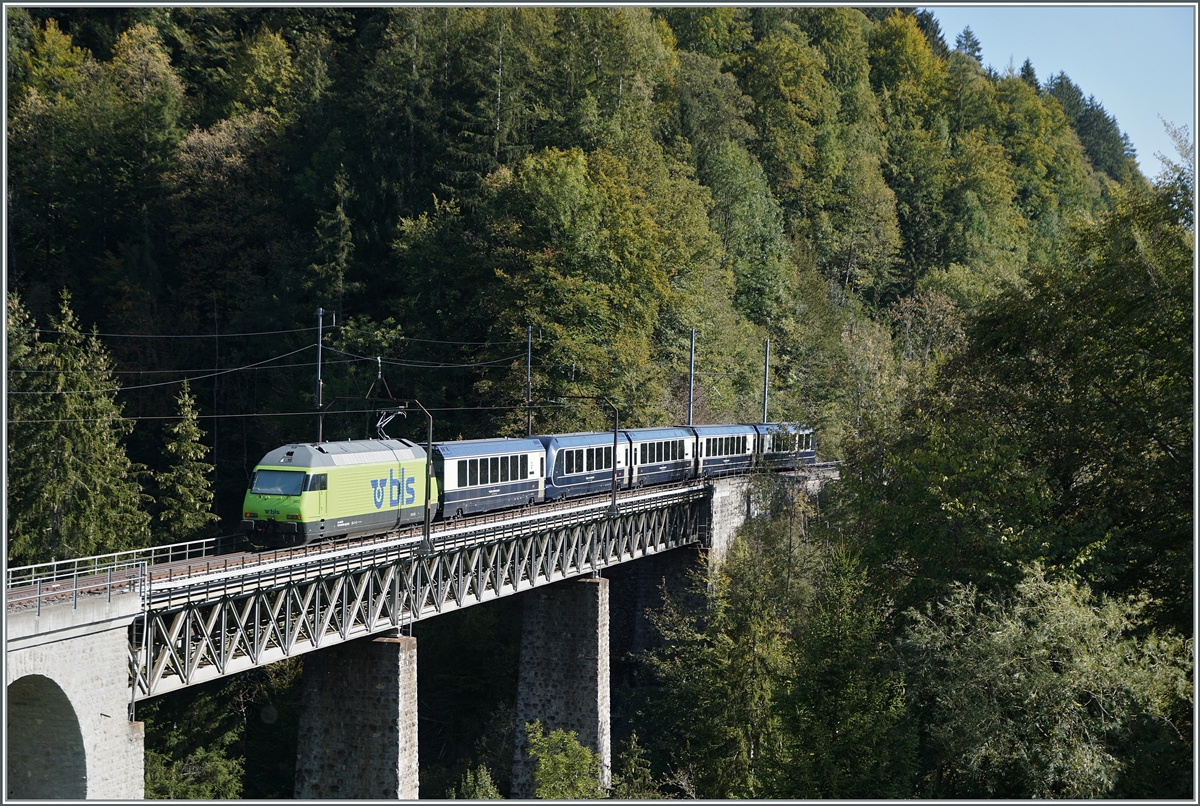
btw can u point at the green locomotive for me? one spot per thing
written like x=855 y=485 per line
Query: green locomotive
x=305 y=492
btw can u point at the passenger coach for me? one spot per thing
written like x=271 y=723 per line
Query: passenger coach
x=582 y=464
x=724 y=449
x=483 y=474
x=661 y=455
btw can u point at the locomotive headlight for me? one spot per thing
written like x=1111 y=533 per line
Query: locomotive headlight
x=251 y=514
x=293 y=517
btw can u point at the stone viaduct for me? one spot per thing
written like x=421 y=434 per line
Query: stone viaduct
x=69 y=671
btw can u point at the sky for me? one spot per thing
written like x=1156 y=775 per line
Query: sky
x=1139 y=61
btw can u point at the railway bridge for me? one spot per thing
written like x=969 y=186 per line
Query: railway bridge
x=87 y=639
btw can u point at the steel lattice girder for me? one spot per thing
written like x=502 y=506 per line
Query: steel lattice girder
x=179 y=644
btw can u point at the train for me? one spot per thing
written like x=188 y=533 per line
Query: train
x=306 y=492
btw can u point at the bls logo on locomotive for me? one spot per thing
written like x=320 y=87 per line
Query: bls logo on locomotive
x=396 y=489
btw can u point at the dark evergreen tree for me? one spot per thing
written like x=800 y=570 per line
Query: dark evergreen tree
x=72 y=491
x=967 y=43
x=185 y=488
x=929 y=26
x=1029 y=75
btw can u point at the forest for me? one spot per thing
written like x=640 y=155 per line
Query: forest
x=975 y=291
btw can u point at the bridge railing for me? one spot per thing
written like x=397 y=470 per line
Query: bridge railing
x=118 y=561
x=128 y=579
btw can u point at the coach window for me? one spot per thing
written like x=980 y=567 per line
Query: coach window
x=591 y=459
x=570 y=468
x=503 y=468
x=462 y=474
x=524 y=466
x=608 y=458
x=474 y=468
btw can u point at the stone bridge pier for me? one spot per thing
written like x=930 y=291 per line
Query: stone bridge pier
x=576 y=632
x=67 y=718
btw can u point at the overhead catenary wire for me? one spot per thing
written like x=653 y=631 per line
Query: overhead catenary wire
x=166 y=383
x=342 y=328
x=269 y=414
x=256 y=365
x=164 y=335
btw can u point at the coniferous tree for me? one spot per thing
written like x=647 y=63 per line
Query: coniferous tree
x=185 y=490
x=967 y=43
x=1028 y=74
x=929 y=26
x=476 y=784
x=72 y=491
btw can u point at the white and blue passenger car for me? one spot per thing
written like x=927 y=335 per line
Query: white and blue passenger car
x=582 y=464
x=479 y=475
x=724 y=449
x=661 y=455
x=785 y=446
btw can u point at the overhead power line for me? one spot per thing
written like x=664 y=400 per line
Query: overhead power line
x=169 y=336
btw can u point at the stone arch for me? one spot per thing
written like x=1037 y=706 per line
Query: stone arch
x=46 y=758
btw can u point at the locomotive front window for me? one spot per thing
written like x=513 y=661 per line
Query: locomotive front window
x=278 y=482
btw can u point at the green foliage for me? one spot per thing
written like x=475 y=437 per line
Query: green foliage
x=632 y=778
x=206 y=774
x=1035 y=694
x=563 y=768
x=185 y=488
x=192 y=744
x=966 y=42
x=232 y=738
x=970 y=290
x=72 y=491
x=775 y=685
x=476 y=785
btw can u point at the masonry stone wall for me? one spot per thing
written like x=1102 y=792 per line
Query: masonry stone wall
x=67 y=683
x=563 y=676
x=358 y=721
x=731 y=506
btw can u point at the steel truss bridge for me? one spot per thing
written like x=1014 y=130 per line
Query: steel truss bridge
x=219 y=618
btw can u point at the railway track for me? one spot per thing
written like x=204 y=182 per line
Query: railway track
x=218 y=557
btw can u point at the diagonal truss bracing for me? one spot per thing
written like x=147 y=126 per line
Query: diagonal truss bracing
x=205 y=628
